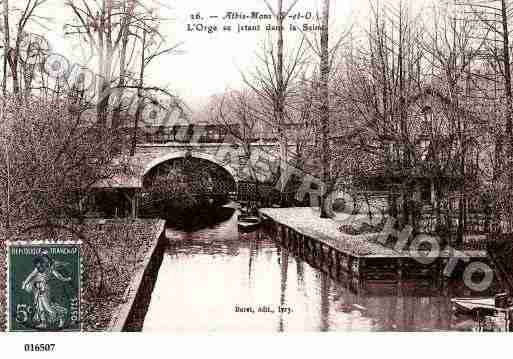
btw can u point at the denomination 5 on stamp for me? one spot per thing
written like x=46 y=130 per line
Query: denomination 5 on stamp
x=43 y=286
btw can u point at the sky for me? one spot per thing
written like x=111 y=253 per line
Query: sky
x=209 y=63
x=213 y=62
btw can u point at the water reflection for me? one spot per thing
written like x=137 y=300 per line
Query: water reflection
x=212 y=276
x=198 y=218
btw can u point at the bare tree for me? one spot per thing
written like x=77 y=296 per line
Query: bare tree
x=109 y=27
x=150 y=52
x=374 y=86
x=7 y=44
x=452 y=52
x=128 y=8
x=494 y=16
x=12 y=52
x=272 y=82
x=325 y=107
x=52 y=159
x=236 y=114
x=327 y=57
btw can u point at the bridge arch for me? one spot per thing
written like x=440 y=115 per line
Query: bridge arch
x=178 y=182
x=182 y=154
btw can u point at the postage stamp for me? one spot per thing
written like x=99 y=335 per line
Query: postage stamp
x=44 y=286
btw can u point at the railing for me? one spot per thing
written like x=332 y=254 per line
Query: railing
x=198 y=134
x=475 y=223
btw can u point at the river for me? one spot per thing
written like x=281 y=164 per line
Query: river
x=214 y=279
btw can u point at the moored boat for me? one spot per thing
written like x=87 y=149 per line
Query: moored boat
x=248 y=223
x=491 y=314
x=470 y=306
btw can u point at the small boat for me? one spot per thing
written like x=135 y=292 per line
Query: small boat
x=248 y=223
x=470 y=306
x=352 y=307
x=486 y=313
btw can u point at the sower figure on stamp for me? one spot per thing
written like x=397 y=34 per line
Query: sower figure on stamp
x=46 y=314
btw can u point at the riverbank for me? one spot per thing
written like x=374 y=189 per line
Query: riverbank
x=306 y=221
x=362 y=257
x=114 y=252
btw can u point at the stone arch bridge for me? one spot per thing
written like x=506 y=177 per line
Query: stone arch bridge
x=228 y=157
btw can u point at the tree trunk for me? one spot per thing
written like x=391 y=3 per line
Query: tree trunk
x=108 y=62
x=8 y=188
x=507 y=80
x=14 y=60
x=325 y=107
x=103 y=101
x=6 y=44
x=138 y=111
x=280 y=100
x=497 y=169
x=116 y=115
x=101 y=106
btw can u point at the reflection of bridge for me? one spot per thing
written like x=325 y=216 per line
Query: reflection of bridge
x=163 y=147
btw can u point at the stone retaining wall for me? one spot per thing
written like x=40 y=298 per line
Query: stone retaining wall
x=129 y=316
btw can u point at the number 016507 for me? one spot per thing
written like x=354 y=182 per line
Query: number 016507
x=39 y=347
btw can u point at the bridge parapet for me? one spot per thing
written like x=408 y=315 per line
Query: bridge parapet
x=199 y=133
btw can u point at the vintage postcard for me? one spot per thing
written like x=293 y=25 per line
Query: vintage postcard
x=257 y=166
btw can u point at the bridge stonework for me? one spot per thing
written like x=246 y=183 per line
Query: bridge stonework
x=231 y=157
x=228 y=156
